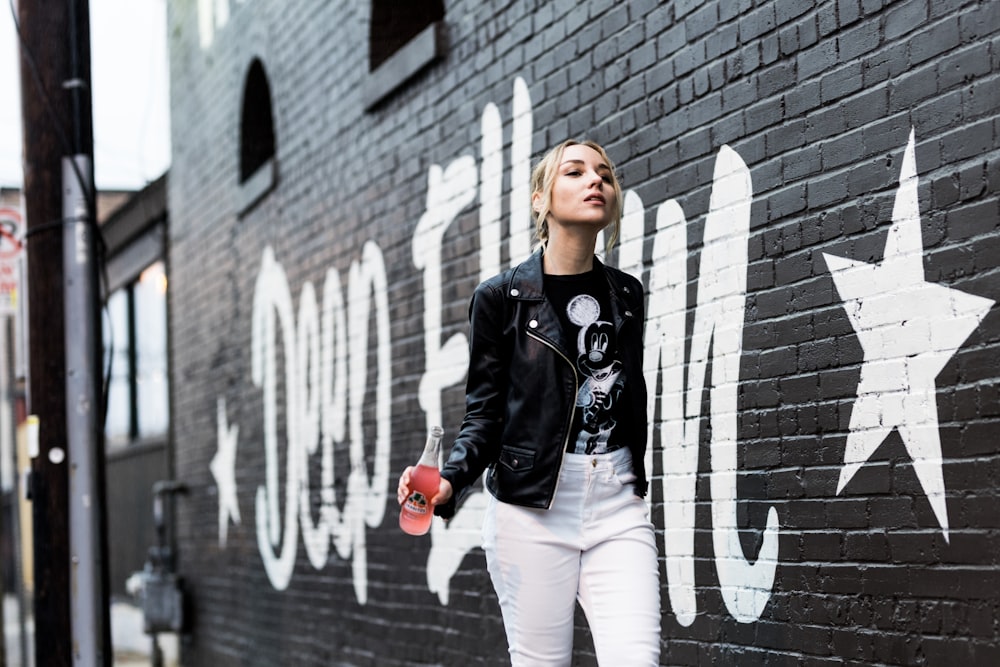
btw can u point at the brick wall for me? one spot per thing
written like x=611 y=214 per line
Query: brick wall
x=813 y=210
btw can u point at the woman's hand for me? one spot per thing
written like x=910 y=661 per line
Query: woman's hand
x=403 y=490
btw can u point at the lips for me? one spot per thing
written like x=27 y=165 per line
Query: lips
x=596 y=198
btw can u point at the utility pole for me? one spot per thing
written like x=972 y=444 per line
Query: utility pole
x=64 y=384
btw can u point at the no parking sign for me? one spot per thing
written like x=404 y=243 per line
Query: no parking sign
x=11 y=245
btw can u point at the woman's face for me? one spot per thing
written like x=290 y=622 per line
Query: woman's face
x=582 y=192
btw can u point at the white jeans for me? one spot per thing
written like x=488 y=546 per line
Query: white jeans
x=596 y=545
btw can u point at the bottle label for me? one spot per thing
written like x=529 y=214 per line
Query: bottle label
x=417 y=503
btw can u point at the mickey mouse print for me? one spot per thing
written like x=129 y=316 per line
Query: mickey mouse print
x=584 y=307
x=601 y=373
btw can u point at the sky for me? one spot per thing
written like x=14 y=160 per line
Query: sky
x=128 y=60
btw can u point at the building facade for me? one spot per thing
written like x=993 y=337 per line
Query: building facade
x=811 y=204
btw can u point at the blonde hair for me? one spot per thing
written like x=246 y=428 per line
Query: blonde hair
x=543 y=177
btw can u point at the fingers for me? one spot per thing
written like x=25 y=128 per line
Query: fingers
x=403 y=489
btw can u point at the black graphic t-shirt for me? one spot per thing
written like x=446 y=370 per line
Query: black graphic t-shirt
x=584 y=306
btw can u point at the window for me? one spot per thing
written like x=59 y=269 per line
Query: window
x=136 y=338
x=256 y=123
x=403 y=38
x=257 y=144
x=395 y=23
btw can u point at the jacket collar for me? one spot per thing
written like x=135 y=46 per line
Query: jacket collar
x=528 y=278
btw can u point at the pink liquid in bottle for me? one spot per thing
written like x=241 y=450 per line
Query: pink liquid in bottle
x=416 y=512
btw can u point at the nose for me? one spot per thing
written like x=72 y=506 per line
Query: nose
x=596 y=180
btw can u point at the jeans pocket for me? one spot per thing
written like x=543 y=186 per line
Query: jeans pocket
x=625 y=477
x=488 y=532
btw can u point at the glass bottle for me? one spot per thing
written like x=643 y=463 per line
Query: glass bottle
x=416 y=512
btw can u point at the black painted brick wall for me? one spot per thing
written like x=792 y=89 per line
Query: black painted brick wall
x=818 y=98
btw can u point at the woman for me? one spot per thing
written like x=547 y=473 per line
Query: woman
x=555 y=409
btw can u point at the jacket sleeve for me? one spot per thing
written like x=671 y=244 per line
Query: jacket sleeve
x=478 y=442
x=642 y=485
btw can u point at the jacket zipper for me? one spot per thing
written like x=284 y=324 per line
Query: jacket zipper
x=572 y=410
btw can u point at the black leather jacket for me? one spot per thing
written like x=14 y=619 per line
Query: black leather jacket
x=522 y=386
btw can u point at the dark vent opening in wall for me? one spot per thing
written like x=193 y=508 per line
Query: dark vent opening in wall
x=256 y=123
x=396 y=22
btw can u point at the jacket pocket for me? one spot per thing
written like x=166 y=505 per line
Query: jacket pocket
x=517 y=459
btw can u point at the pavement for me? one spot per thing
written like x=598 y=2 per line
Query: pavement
x=132 y=646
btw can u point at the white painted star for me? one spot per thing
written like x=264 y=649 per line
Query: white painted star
x=908 y=330
x=223 y=467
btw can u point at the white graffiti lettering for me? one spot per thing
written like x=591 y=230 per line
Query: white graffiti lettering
x=325 y=387
x=718 y=326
